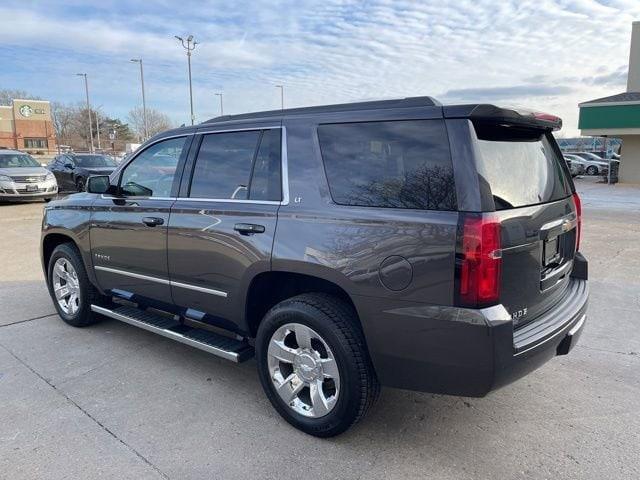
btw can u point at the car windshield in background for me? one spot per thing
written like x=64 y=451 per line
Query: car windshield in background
x=17 y=160
x=93 y=161
x=520 y=168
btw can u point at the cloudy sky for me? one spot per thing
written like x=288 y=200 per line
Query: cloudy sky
x=546 y=54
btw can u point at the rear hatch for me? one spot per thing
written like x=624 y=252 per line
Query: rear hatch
x=529 y=192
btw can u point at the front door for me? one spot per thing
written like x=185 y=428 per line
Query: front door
x=129 y=230
x=222 y=227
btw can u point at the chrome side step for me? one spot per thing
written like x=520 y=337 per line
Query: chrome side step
x=219 y=345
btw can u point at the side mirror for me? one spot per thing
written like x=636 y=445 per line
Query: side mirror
x=98 y=184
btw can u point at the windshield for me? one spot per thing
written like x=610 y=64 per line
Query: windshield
x=92 y=161
x=520 y=167
x=13 y=160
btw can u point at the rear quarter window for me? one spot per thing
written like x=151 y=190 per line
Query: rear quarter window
x=396 y=164
x=520 y=167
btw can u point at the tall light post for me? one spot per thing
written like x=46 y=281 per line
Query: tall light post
x=98 y=128
x=86 y=88
x=281 y=87
x=144 y=102
x=189 y=46
x=221 y=109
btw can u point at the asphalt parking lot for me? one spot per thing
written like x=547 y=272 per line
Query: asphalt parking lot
x=113 y=401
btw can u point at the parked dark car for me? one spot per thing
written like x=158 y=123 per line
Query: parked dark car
x=73 y=169
x=399 y=243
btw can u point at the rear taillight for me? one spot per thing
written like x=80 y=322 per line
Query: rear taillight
x=576 y=200
x=479 y=260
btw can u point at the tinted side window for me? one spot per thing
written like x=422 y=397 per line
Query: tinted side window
x=399 y=164
x=225 y=163
x=266 y=181
x=152 y=172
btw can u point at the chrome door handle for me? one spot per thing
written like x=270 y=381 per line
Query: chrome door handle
x=152 y=221
x=248 y=228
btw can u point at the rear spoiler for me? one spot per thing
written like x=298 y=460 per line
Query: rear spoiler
x=510 y=116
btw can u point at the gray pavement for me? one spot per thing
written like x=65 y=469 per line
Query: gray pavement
x=113 y=401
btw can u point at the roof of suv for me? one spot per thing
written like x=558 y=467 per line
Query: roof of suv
x=340 y=107
x=474 y=111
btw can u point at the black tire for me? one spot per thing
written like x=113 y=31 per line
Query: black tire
x=337 y=323
x=80 y=184
x=47 y=200
x=89 y=294
x=591 y=170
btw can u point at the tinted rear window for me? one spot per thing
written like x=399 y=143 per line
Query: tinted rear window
x=400 y=164
x=520 y=167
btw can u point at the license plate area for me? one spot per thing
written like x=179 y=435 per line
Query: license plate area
x=32 y=187
x=551 y=252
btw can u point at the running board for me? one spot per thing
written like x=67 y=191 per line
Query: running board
x=219 y=345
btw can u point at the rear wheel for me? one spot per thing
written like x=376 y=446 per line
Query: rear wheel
x=314 y=365
x=70 y=288
x=591 y=170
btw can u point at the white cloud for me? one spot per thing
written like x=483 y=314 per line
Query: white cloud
x=544 y=54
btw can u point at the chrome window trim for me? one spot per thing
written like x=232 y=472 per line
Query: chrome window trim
x=163 y=281
x=284 y=168
x=284 y=172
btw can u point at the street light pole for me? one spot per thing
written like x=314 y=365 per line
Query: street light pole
x=281 y=87
x=189 y=46
x=221 y=109
x=144 y=101
x=86 y=88
x=98 y=129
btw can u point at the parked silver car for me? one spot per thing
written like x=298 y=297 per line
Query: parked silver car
x=23 y=178
x=594 y=164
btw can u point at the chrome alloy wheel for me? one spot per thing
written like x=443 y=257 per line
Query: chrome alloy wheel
x=303 y=370
x=66 y=286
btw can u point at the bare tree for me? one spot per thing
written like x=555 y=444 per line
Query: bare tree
x=156 y=121
x=7 y=95
x=63 y=120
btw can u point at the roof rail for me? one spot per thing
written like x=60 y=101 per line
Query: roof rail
x=341 y=107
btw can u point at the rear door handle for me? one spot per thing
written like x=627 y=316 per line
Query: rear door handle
x=152 y=221
x=248 y=228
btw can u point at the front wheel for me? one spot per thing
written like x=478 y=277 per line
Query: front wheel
x=591 y=170
x=314 y=365
x=70 y=288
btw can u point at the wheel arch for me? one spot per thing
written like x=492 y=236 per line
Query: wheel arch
x=51 y=239
x=269 y=288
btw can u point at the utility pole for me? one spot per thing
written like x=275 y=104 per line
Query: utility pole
x=281 y=87
x=98 y=129
x=144 y=101
x=221 y=109
x=189 y=46
x=86 y=88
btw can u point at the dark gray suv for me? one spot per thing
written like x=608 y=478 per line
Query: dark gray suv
x=399 y=243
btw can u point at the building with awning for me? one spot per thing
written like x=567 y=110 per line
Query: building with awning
x=619 y=115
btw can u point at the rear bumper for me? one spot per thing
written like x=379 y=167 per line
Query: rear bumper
x=467 y=352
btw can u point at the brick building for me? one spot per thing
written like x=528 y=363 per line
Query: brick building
x=26 y=125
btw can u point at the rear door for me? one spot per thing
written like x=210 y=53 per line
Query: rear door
x=222 y=227
x=524 y=178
